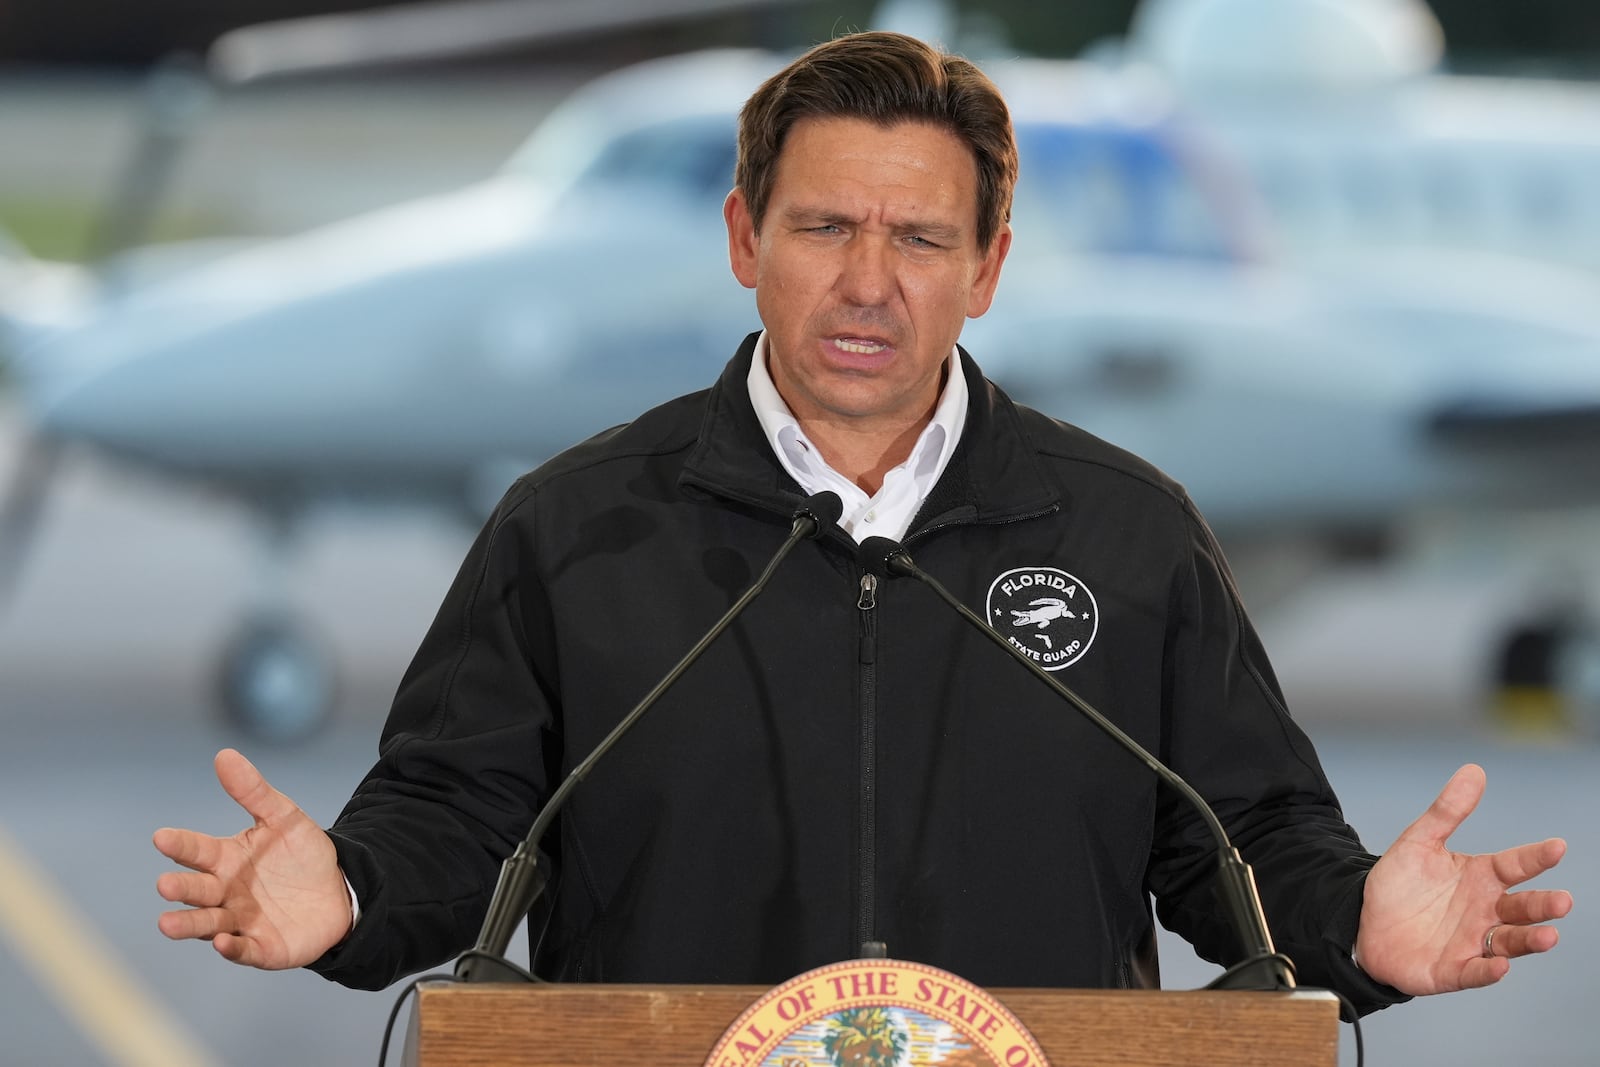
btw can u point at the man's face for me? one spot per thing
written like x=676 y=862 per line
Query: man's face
x=866 y=267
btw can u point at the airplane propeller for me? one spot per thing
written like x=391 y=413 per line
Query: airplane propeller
x=23 y=509
x=275 y=681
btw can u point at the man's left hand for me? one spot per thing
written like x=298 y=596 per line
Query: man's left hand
x=1433 y=921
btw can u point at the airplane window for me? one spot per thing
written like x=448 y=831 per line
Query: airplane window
x=1083 y=188
x=1114 y=190
x=693 y=156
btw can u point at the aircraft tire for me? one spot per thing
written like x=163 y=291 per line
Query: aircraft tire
x=277 y=682
x=1547 y=678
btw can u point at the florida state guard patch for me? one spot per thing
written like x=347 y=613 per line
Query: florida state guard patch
x=1046 y=613
x=876 y=1013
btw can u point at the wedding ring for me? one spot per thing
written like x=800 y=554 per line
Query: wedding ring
x=1488 y=943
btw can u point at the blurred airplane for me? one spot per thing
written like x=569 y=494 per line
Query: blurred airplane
x=431 y=351
x=1347 y=119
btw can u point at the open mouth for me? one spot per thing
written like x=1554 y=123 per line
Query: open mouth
x=860 y=346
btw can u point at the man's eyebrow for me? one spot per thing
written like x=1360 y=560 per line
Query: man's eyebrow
x=801 y=215
x=943 y=230
x=814 y=216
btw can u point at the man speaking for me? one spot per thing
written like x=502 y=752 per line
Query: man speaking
x=851 y=762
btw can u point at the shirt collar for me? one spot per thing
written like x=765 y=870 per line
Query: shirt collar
x=927 y=461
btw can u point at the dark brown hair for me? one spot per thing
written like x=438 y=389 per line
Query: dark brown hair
x=886 y=78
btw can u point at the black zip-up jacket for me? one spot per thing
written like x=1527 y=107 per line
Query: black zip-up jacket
x=850 y=761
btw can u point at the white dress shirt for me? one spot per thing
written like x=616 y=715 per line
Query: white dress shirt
x=889 y=511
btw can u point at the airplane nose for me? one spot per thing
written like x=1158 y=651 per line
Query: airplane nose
x=104 y=410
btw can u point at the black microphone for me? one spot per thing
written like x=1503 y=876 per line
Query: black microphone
x=521 y=880
x=1262 y=967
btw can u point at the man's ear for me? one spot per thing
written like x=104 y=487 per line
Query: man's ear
x=743 y=244
x=988 y=277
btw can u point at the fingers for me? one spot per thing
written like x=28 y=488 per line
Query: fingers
x=197 y=851
x=216 y=926
x=1518 y=864
x=1449 y=809
x=235 y=948
x=244 y=950
x=249 y=789
x=1506 y=944
x=1479 y=973
x=196 y=923
x=241 y=780
x=1510 y=941
x=195 y=890
x=1534 y=906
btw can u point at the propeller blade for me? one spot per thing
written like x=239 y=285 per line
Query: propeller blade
x=23 y=509
x=433 y=30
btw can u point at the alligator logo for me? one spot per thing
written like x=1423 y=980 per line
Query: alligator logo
x=1042 y=611
x=1045 y=613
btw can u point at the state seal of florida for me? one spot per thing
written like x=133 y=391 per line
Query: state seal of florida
x=876 y=1013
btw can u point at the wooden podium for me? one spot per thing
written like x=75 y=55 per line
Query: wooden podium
x=579 y=1025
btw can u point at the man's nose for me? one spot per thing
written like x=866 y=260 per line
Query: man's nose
x=867 y=277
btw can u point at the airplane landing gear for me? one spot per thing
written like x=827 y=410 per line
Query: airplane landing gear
x=277 y=682
x=1547 y=678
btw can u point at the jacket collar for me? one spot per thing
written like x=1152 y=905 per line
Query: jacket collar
x=994 y=476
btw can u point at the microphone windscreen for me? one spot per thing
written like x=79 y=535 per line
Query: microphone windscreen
x=874 y=554
x=825 y=507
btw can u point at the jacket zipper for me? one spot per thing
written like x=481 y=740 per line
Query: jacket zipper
x=866 y=885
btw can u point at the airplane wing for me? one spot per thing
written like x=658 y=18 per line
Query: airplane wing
x=432 y=31
x=1509 y=422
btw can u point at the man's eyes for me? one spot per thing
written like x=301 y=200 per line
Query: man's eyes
x=831 y=229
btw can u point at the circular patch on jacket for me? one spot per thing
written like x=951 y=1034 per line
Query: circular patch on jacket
x=1045 y=613
x=876 y=1012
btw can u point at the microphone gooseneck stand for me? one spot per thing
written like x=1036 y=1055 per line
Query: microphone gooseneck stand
x=1261 y=966
x=521 y=880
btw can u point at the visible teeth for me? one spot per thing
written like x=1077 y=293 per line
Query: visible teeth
x=864 y=348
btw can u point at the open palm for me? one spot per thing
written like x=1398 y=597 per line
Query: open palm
x=1428 y=913
x=270 y=896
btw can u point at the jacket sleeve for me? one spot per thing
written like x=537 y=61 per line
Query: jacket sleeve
x=466 y=757
x=1227 y=731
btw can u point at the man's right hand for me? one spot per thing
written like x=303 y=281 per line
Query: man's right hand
x=271 y=896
